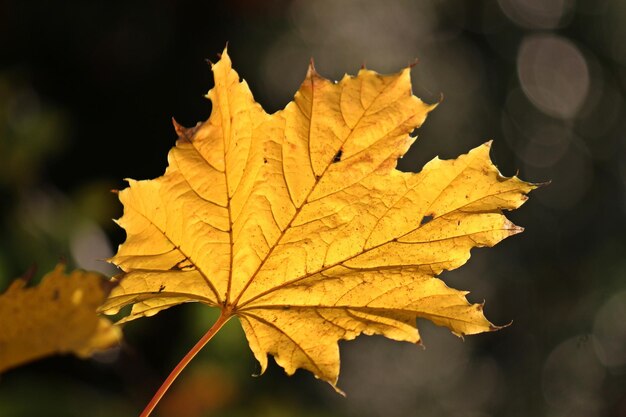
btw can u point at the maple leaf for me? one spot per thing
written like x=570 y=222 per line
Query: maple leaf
x=57 y=316
x=299 y=224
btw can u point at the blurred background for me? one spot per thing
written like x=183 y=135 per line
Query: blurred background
x=87 y=92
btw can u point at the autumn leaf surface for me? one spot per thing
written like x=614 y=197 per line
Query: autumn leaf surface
x=57 y=316
x=299 y=224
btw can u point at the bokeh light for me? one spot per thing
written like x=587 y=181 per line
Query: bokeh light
x=538 y=14
x=572 y=379
x=553 y=74
x=90 y=248
x=609 y=330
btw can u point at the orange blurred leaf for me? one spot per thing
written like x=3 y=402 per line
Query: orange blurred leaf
x=57 y=316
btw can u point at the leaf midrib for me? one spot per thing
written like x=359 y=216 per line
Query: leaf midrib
x=317 y=181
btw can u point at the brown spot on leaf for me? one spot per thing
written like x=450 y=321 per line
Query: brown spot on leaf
x=426 y=219
x=337 y=157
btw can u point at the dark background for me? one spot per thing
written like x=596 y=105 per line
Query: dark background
x=87 y=92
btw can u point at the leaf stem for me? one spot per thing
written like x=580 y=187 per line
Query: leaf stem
x=221 y=320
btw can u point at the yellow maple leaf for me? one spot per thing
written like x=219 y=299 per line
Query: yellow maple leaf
x=57 y=316
x=299 y=224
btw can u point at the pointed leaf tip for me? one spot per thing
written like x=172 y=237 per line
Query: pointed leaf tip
x=178 y=128
x=28 y=275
